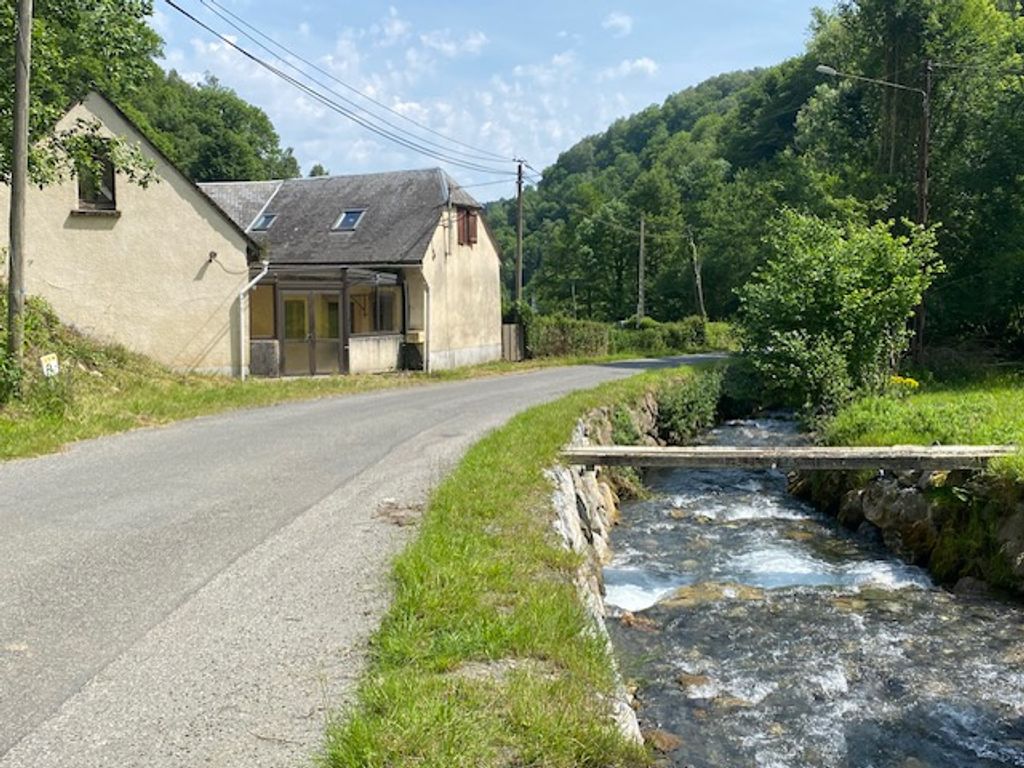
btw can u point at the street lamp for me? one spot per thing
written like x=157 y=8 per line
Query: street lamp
x=923 y=159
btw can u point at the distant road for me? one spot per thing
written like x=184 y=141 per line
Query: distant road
x=201 y=594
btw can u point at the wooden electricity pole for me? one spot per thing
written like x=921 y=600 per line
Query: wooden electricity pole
x=923 y=162
x=519 y=234
x=640 y=278
x=19 y=183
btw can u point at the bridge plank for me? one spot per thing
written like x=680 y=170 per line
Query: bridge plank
x=899 y=457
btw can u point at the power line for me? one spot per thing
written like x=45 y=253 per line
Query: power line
x=223 y=13
x=334 y=106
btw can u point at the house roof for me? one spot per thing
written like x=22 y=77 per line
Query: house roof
x=402 y=210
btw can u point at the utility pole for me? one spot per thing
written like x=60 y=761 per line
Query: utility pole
x=640 y=277
x=923 y=163
x=519 y=234
x=19 y=183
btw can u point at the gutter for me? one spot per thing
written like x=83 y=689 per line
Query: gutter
x=242 y=295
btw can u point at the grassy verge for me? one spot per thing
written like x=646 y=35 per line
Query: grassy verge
x=486 y=657
x=984 y=409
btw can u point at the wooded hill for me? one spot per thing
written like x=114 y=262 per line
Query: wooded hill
x=711 y=168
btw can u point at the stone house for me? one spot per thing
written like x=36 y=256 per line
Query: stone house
x=331 y=275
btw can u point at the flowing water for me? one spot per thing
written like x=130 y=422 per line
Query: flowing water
x=761 y=634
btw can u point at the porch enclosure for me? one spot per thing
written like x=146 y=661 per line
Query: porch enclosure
x=303 y=326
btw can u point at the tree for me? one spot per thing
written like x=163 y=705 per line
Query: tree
x=318 y=170
x=208 y=130
x=77 y=46
x=827 y=313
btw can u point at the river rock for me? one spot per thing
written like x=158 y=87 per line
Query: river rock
x=693 y=681
x=969 y=586
x=903 y=515
x=662 y=741
x=1011 y=541
x=851 y=509
x=709 y=592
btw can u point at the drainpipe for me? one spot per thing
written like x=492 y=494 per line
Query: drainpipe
x=426 y=326
x=242 y=295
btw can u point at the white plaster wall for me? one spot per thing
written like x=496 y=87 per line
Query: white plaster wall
x=465 y=299
x=143 y=279
x=373 y=354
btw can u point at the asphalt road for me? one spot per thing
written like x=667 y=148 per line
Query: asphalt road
x=201 y=594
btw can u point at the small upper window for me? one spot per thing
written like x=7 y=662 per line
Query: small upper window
x=262 y=224
x=349 y=220
x=96 y=187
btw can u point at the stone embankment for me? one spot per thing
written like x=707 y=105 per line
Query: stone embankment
x=967 y=528
x=587 y=508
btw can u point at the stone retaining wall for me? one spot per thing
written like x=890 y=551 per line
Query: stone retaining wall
x=967 y=528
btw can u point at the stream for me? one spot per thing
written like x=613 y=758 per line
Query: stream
x=761 y=633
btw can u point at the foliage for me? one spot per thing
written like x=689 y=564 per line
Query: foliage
x=318 y=170
x=827 y=314
x=688 y=406
x=654 y=338
x=77 y=46
x=624 y=429
x=207 y=130
x=558 y=335
x=987 y=409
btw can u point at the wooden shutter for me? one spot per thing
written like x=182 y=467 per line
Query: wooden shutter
x=471 y=221
x=463 y=227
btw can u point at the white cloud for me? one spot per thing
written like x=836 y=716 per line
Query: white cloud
x=555 y=70
x=628 y=67
x=443 y=42
x=619 y=24
x=392 y=30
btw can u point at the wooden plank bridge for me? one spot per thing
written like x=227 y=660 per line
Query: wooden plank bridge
x=898 y=457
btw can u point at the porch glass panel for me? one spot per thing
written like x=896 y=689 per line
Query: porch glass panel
x=295 y=347
x=328 y=332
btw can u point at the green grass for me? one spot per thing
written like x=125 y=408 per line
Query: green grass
x=986 y=409
x=486 y=582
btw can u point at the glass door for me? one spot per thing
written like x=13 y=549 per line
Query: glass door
x=297 y=343
x=327 y=332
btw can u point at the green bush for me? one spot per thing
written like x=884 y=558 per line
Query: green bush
x=561 y=336
x=827 y=314
x=687 y=407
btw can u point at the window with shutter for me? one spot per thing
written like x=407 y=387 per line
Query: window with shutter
x=471 y=219
x=463 y=228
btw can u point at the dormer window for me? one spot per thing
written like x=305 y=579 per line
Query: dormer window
x=349 y=220
x=263 y=222
x=96 y=186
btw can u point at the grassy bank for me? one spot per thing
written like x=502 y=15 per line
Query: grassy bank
x=486 y=657
x=982 y=409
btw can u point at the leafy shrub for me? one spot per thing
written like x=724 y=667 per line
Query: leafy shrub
x=642 y=341
x=10 y=375
x=690 y=333
x=624 y=429
x=561 y=336
x=827 y=314
x=687 y=407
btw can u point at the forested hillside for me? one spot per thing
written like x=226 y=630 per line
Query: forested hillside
x=711 y=168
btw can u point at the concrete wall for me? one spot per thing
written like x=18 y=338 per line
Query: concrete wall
x=374 y=354
x=142 y=279
x=465 y=299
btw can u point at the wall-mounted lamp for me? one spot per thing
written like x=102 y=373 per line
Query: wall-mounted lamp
x=212 y=258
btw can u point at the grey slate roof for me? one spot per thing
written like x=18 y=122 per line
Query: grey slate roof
x=403 y=209
x=241 y=200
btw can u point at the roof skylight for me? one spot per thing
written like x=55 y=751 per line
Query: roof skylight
x=262 y=224
x=349 y=220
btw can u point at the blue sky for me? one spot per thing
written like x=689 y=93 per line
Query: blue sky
x=519 y=79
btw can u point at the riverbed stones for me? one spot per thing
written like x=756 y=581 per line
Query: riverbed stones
x=711 y=592
x=662 y=741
